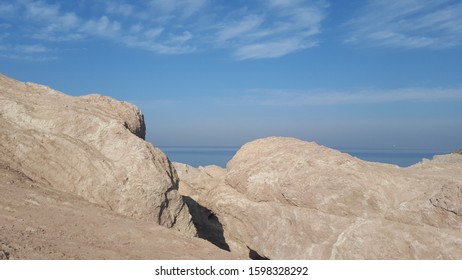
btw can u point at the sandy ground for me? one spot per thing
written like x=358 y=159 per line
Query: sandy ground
x=41 y=223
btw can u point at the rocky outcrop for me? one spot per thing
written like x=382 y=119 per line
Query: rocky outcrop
x=283 y=198
x=38 y=222
x=70 y=165
x=92 y=146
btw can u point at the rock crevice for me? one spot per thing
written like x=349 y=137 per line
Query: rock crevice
x=289 y=199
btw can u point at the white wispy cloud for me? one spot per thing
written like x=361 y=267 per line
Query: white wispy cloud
x=120 y=8
x=298 y=98
x=7 y=9
x=245 y=26
x=26 y=52
x=276 y=28
x=411 y=24
x=102 y=27
x=40 y=10
x=31 y=49
x=271 y=49
x=261 y=29
x=180 y=8
x=47 y=22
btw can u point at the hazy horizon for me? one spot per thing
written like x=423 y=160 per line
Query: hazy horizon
x=203 y=156
x=360 y=74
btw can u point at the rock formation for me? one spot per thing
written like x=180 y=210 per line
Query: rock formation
x=77 y=180
x=92 y=146
x=283 y=198
x=39 y=222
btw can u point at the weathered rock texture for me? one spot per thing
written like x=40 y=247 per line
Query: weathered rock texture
x=77 y=180
x=283 y=198
x=206 y=222
x=39 y=222
x=91 y=146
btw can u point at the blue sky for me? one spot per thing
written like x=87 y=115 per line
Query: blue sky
x=372 y=74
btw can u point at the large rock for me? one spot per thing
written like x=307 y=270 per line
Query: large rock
x=283 y=198
x=37 y=222
x=92 y=146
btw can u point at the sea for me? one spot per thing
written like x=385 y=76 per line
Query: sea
x=202 y=156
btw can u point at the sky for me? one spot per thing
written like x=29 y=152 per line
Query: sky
x=359 y=74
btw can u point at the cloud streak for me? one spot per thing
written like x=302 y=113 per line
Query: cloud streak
x=408 y=24
x=293 y=98
x=271 y=49
x=261 y=29
x=275 y=29
x=26 y=52
x=246 y=29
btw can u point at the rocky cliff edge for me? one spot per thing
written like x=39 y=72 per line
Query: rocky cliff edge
x=92 y=146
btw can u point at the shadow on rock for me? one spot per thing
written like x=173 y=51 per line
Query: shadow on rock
x=253 y=255
x=207 y=224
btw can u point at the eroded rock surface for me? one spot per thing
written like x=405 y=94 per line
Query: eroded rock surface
x=77 y=180
x=39 y=222
x=283 y=198
x=92 y=146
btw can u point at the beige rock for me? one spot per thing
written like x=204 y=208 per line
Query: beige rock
x=64 y=159
x=449 y=198
x=192 y=189
x=39 y=222
x=283 y=198
x=92 y=146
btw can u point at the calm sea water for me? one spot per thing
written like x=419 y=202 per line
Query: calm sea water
x=200 y=156
x=401 y=157
x=197 y=156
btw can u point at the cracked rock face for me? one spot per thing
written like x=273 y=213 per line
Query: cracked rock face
x=449 y=198
x=284 y=198
x=38 y=222
x=92 y=146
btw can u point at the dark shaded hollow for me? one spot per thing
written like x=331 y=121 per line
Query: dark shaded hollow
x=207 y=224
x=255 y=256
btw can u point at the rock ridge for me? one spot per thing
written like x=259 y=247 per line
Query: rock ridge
x=38 y=222
x=84 y=160
x=92 y=146
x=284 y=198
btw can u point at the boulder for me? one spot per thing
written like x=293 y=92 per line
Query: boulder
x=283 y=198
x=38 y=222
x=92 y=146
